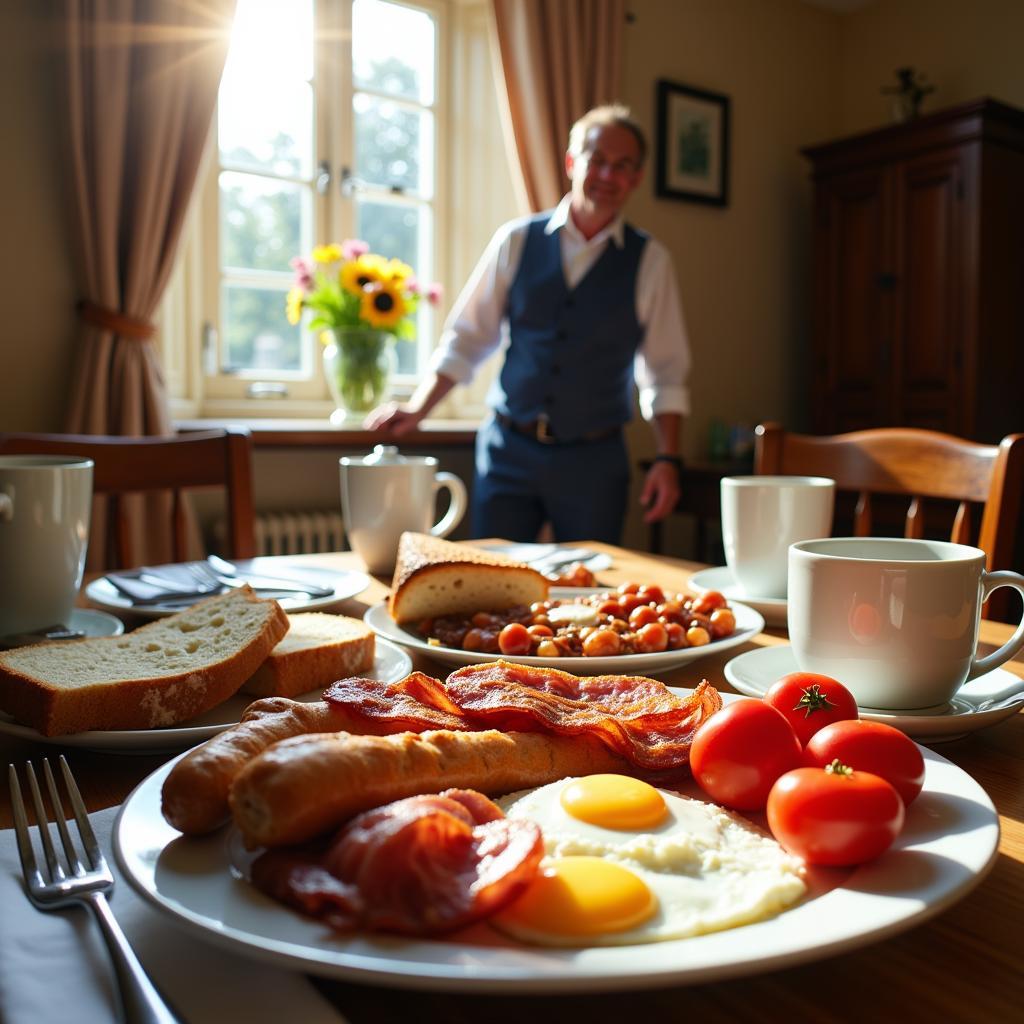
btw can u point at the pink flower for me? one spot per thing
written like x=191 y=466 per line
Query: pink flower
x=303 y=273
x=353 y=248
x=412 y=286
x=434 y=293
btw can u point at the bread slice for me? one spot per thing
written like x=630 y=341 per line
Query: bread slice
x=317 y=649
x=160 y=674
x=435 y=577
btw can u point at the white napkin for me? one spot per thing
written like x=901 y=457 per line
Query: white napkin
x=54 y=966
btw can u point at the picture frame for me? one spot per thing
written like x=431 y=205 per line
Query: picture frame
x=692 y=144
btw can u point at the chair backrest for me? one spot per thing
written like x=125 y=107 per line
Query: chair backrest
x=126 y=465
x=917 y=464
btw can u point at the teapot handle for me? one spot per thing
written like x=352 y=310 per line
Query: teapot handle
x=456 y=506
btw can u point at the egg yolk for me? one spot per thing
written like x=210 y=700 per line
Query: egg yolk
x=581 y=896
x=614 y=801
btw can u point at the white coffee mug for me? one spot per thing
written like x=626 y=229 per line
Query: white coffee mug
x=387 y=494
x=896 y=621
x=45 y=505
x=762 y=516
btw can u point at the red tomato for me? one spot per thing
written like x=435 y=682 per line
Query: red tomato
x=515 y=639
x=871 y=747
x=834 y=816
x=810 y=702
x=740 y=751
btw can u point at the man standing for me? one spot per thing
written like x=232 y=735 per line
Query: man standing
x=588 y=305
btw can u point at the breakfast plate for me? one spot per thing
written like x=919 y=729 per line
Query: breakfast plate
x=390 y=664
x=343 y=583
x=720 y=578
x=748 y=624
x=978 y=704
x=948 y=843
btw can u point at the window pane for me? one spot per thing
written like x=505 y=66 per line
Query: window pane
x=263 y=222
x=257 y=335
x=393 y=50
x=394 y=145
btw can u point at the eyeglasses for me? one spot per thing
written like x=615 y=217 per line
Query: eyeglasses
x=620 y=168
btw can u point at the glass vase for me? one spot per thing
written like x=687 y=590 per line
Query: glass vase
x=358 y=364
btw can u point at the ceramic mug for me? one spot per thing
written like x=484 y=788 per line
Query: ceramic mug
x=45 y=505
x=896 y=621
x=387 y=494
x=762 y=516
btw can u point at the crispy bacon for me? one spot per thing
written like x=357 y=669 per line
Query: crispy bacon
x=639 y=718
x=418 y=866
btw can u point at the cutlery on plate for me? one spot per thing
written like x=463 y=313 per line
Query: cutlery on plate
x=83 y=883
x=228 y=574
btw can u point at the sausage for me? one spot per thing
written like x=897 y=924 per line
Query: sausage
x=307 y=785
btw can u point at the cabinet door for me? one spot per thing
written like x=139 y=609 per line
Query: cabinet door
x=930 y=292
x=852 y=305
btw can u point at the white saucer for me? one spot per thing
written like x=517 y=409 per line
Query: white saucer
x=95 y=623
x=980 y=703
x=772 y=609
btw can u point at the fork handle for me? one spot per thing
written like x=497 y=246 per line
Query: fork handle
x=140 y=1000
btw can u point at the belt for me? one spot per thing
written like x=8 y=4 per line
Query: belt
x=539 y=430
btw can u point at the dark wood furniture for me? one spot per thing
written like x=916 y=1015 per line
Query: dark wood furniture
x=918 y=309
x=919 y=465
x=129 y=465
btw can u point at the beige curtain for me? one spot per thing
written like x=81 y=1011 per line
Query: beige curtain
x=142 y=86
x=559 y=58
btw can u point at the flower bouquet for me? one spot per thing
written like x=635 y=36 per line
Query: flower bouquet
x=361 y=303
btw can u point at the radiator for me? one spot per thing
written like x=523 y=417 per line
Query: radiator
x=298 y=533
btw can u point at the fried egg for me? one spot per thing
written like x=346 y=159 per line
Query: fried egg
x=626 y=863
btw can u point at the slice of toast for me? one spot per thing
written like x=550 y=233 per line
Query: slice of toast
x=318 y=649
x=162 y=673
x=435 y=577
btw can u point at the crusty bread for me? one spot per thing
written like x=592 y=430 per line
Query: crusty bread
x=435 y=577
x=316 y=650
x=158 y=675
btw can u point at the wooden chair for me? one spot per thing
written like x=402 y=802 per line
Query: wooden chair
x=125 y=465
x=921 y=465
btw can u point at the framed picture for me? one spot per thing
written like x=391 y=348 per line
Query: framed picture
x=692 y=144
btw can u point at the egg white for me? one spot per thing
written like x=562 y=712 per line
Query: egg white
x=709 y=869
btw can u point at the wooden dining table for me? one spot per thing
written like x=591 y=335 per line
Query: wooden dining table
x=963 y=964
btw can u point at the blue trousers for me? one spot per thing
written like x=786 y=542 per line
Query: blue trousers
x=581 y=488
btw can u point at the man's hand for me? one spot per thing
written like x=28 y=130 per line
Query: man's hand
x=392 y=418
x=661 y=491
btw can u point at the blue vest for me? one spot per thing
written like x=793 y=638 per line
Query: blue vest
x=571 y=352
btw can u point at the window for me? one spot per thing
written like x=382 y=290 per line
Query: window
x=334 y=121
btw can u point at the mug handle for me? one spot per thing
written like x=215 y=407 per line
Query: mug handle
x=6 y=508
x=993 y=581
x=457 y=506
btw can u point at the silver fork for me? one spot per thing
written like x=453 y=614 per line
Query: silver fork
x=141 y=1003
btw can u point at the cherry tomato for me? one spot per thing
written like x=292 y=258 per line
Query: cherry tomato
x=676 y=635
x=642 y=615
x=515 y=639
x=871 y=747
x=740 y=751
x=810 y=702
x=602 y=643
x=835 y=816
x=651 y=638
x=707 y=602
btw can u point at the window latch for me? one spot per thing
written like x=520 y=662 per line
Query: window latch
x=266 y=389
x=323 y=177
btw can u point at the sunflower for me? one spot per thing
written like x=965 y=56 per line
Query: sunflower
x=358 y=273
x=327 y=253
x=396 y=271
x=294 y=304
x=382 y=305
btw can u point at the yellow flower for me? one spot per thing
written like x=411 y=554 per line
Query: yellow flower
x=397 y=271
x=358 y=273
x=294 y=304
x=327 y=253
x=382 y=305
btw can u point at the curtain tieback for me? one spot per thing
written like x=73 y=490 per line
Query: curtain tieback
x=112 y=320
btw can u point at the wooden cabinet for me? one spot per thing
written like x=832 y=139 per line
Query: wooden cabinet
x=918 y=275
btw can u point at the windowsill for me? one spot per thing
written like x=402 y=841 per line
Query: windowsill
x=287 y=433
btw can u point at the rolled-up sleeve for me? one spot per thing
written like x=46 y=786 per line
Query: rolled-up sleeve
x=662 y=367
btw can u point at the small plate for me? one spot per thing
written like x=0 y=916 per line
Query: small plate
x=748 y=624
x=95 y=623
x=980 y=703
x=390 y=664
x=345 y=583
x=721 y=578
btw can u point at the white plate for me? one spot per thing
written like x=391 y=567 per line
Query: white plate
x=748 y=624
x=390 y=664
x=538 y=554
x=947 y=845
x=345 y=583
x=721 y=578
x=90 y=622
x=980 y=703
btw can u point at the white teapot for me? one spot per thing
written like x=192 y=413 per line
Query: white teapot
x=385 y=494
